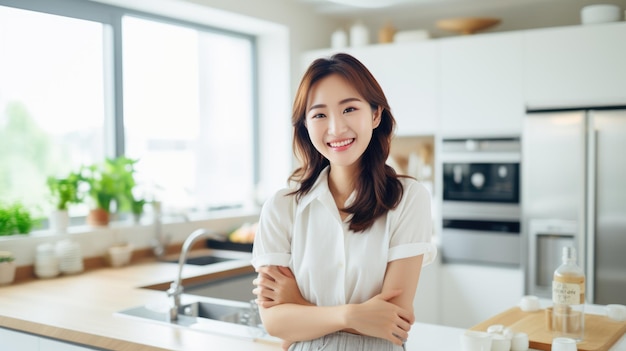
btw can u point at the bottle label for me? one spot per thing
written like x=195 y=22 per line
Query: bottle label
x=566 y=293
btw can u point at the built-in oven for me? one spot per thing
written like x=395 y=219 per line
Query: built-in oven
x=481 y=201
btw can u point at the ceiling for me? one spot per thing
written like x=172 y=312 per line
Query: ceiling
x=399 y=7
x=422 y=14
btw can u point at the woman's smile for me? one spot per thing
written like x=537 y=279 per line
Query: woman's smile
x=340 y=145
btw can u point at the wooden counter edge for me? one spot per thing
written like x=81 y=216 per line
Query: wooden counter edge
x=73 y=336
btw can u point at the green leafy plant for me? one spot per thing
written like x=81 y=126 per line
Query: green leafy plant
x=113 y=182
x=6 y=221
x=65 y=190
x=6 y=257
x=137 y=206
x=125 y=168
x=16 y=219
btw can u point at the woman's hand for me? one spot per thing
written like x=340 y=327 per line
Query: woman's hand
x=276 y=285
x=380 y=318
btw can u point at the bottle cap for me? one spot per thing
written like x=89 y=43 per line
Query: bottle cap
x=569 y=253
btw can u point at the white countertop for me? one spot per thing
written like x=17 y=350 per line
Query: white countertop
x=427 y=337
x=82 y=309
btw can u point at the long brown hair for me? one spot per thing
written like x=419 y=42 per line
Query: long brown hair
x=378 y=189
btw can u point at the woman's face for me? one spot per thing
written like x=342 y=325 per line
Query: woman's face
x=339 y=120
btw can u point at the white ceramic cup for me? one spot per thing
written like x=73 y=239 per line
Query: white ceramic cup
x=529 y=303
x=616 y=312
x=495 y=329
x=500 y=343
x=563 y=344
x=520 y=342
x=473 y=340
x=508 y=333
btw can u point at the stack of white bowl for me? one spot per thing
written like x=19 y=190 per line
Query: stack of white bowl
x=46 y=261
x=70 y=257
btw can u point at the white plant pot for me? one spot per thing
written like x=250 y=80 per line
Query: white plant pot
x=59 y=221
x=7 y=272
x=119 y=255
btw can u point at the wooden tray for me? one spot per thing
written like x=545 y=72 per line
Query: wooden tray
x=600 y=332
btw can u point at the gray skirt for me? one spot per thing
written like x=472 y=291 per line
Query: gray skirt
x=340 y=341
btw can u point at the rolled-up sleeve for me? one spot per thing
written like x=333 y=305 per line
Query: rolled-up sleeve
x=272 y=242
x=411 y=226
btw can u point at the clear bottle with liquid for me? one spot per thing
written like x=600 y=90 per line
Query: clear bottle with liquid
x=568 y=297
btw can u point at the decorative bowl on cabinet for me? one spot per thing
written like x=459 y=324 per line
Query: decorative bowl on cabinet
x=467 y=25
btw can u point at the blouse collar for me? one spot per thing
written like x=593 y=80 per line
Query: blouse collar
x=321 y=192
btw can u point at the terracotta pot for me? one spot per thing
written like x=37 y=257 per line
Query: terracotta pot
x=98 y=217
x=7 y=272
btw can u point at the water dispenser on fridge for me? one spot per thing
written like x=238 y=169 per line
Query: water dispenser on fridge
x=547 y=237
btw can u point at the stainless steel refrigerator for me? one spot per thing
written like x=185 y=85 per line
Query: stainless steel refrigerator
x=574 y=193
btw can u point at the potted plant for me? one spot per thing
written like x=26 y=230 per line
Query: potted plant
x=102 y=189
x=65 y=191
x=16 y=219
x=24 y=221
x=128 y=198
x=6 y=221
x=108 y=183
x=7 y=267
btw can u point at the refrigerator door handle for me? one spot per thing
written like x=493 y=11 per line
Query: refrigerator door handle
x=590 y=215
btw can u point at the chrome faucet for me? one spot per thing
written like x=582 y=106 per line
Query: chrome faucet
x=176 y=288
x=160 y=241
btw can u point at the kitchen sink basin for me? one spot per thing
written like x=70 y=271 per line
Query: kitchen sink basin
x=204 y=260
x=225 y=317
x=220 y=312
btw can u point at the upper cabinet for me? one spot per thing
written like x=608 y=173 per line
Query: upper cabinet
x=578 y=66
x=408 y=74
x=481 y=85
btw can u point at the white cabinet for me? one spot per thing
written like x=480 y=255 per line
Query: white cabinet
x=426 y=304
x=471 y=294
x=54 y=345
x=481 y=85
x=577 y=66
x=12 y=340
x=408 y=74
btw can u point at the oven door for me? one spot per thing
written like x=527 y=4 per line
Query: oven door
x=481 y=182
x=481 y=242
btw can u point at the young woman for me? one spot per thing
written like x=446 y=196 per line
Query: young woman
x=339 y=254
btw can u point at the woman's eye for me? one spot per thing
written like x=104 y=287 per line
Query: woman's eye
x=319 y=115
x=349 y=109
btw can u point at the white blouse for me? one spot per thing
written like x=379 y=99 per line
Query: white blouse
x=332 y=264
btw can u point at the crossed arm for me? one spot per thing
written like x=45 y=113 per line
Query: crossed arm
x=388 y=315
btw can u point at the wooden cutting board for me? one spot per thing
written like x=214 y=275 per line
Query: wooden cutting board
x=600 y=332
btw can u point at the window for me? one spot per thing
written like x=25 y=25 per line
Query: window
x=184 y=103
x=188 y=111
x=51 y=101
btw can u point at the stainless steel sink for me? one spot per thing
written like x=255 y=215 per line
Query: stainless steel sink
x=204 y=260
x=220 y=312
x=225 y=317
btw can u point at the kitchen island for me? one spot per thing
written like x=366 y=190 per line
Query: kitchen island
x=81 y=309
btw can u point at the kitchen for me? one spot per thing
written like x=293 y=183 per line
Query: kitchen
x=511 y=103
